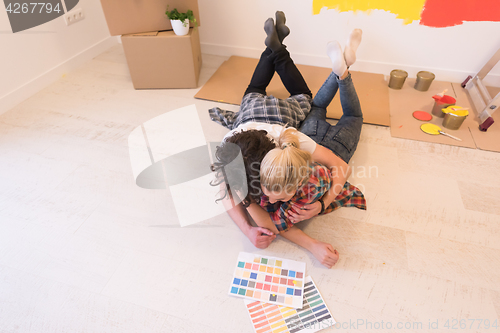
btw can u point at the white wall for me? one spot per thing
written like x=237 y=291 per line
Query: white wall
x=34 y=58
x=236 y=28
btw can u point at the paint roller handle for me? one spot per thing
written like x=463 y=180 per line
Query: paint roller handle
x=449 y=135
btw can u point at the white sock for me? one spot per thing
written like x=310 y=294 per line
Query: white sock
x=334 y=51
x=351 y=46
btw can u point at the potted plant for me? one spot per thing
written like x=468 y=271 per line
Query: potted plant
x=180 y=21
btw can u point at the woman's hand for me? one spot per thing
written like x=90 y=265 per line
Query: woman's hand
x=306 y=212
x=325 y=253
x=260 y=237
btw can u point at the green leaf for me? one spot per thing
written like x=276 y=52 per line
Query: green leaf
x=176 y=15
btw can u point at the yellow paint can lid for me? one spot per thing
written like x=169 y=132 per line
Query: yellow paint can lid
x=456 y=110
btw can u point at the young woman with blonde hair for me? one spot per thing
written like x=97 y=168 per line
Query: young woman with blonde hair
x=285 y=167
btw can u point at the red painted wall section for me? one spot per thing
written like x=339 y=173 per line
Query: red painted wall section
x=447 y=13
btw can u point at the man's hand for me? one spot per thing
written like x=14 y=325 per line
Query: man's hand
x=261 y=237
x=325 y=253
x=306 y=212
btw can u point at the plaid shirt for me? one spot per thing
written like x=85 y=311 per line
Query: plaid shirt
x=257 y=107
x=319 y=183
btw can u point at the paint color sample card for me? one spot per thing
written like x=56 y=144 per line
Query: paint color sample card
x=268 y=279
x=314 y=315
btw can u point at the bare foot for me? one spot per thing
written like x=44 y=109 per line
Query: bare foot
x=351 y=46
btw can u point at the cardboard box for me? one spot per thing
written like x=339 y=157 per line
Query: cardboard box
x=135 y=16
x=163 y=60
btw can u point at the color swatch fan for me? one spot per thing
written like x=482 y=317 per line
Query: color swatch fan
x=312 y=317
x=269 y=279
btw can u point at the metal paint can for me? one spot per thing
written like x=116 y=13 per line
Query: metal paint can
x=424 y=80
x=398 y=77
x=454 y=119
x=440 y=103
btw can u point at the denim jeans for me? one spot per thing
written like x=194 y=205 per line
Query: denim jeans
x=280 y=62
x=343 y=137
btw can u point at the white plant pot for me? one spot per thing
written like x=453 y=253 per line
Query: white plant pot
x=180 y=28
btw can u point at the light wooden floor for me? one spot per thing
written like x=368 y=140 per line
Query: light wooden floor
x=83 y=249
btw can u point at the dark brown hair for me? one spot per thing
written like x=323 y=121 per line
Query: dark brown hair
x=254 y=145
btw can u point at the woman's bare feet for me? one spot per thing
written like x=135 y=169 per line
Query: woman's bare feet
x=351 y=46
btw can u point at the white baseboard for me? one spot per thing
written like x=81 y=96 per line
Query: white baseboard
x=30 y=88
x=442 y=74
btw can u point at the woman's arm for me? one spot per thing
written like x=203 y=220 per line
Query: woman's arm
x=260 y=237
x=324 y=252
x=262 y=218
x=340 y=171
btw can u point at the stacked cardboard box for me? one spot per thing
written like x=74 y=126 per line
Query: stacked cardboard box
x=156 y=57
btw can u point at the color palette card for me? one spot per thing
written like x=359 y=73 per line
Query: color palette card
x=268 y=279
x=314 y=315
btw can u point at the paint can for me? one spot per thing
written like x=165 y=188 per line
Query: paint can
x=441 y=102
x=454 y=116
x=424 y=80
x=398 y=77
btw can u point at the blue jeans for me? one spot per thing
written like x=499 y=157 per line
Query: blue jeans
x=343 y=137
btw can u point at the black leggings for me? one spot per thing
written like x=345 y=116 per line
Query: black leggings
x=280 y=62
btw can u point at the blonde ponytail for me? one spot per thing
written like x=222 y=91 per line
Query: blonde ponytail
x=285 y=168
